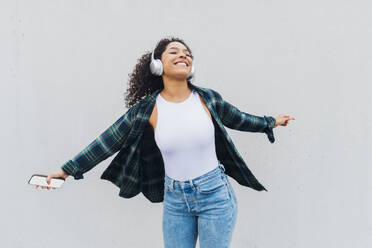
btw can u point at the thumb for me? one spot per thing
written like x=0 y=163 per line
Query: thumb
x=48 y=179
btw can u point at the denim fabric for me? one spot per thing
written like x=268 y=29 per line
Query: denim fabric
x=205 y=206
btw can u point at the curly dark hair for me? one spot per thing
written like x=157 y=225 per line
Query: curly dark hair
x=141 y=81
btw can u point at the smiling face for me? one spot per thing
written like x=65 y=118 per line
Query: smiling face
x=177 y=60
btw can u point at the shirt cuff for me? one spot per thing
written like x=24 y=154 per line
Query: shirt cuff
x=269 y=129
x=70 y=168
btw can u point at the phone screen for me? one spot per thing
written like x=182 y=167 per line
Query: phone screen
x=40 y=180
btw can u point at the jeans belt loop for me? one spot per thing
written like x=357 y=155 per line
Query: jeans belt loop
x=221 y=166
x=171 y=185
x=191 y=184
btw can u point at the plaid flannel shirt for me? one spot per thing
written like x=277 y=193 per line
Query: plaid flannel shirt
x=139 y=166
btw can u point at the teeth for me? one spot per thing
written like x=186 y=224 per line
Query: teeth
x=181 y=63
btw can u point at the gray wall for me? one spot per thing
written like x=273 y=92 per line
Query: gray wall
x=64 y=69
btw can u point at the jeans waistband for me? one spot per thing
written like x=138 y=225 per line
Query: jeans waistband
x=172 y=183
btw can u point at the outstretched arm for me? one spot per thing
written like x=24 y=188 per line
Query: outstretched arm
x=233 y=118
x=105 y=145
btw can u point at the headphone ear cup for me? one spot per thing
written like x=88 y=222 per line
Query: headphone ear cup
x=156 y=66
x=159 y=67
x=192 y=72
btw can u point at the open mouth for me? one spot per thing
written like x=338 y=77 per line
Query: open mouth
x=181 y=63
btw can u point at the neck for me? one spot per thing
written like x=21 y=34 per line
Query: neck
x=175 y=88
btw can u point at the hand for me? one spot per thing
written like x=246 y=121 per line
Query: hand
x=283 y=120
x=58 y=173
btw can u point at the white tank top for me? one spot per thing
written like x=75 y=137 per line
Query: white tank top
x=184 y=134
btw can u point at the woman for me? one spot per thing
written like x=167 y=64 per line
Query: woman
x=174 y=149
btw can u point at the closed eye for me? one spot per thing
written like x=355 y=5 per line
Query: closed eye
x=186 y=54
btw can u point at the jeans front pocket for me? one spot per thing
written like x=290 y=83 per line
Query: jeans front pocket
x=213 y=192
x=211 y=186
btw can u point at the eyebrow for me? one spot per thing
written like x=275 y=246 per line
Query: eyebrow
x=178 y=48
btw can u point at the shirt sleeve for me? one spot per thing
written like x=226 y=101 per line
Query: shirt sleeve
x=233 y=118
x=105 y=145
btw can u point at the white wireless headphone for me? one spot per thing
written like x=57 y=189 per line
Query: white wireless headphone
x=156 y=67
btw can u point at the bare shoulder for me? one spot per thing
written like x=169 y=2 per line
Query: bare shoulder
x=153 y=117
x=205 y=107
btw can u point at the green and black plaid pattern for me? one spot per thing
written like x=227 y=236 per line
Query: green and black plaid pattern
x=139 y=166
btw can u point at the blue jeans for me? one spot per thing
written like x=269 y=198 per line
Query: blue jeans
x=205 y=206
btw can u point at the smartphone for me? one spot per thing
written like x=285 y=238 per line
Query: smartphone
x=37 y=179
